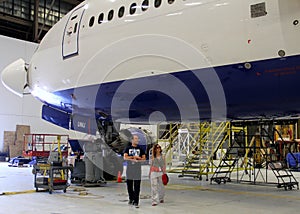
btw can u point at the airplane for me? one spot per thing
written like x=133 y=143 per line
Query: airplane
x=162 y=61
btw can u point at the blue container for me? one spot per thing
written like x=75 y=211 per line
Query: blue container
x=293 y=160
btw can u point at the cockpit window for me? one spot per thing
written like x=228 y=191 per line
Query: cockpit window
x=92 y=20
x=132 y=8
x=145 y=5
x=110 y=15
x=121 y=12
x=171 y=1
x=157 y=3
x=100 y=18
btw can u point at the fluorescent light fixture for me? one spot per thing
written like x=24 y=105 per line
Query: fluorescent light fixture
x=193 y=3
x=222 y=4
x=174 y=14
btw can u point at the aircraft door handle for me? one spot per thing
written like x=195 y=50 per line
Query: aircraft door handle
x=69 y=31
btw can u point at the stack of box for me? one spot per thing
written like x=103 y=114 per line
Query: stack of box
x=13 y=140
x=9 y=138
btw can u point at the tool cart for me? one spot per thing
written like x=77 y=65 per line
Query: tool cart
x=51 y=177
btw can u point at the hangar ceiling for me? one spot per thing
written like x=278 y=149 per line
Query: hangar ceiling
x=31 y=19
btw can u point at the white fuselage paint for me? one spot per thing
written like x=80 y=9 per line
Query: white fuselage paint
x=221 y=31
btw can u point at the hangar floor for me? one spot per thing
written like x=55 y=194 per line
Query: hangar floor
x=183 y=195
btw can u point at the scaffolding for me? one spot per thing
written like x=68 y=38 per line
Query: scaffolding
x=252 y=154
x=244 y=151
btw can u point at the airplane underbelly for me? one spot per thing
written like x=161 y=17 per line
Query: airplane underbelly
x=263 y=88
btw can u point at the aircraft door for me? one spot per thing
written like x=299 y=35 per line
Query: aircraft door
x=71 y=34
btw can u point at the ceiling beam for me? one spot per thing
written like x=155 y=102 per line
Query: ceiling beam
x=74 y=2
x=15 y=20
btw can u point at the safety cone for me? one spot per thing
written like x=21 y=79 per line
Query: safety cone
x=119 y=177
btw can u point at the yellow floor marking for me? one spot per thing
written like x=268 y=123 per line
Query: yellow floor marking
x=18 y=192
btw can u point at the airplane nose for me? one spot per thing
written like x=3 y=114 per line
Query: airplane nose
x=13 y=77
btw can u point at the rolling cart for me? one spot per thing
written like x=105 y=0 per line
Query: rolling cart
x=51 y=177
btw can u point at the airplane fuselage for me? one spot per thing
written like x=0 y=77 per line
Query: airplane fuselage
x=181 y=60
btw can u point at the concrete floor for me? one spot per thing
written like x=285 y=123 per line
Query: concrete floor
x=183 y=195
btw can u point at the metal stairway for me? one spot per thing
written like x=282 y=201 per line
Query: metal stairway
x=210 y=137
x=168 y=138
x=227 y=164
x=285 y=177
x=181 y=145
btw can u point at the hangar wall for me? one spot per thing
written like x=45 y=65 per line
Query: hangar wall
x=15 y=110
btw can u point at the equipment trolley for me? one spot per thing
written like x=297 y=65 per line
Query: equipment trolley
x=51 y=177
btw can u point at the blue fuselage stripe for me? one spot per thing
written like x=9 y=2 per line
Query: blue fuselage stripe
x=266 y=88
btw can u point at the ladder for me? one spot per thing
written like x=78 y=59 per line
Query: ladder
x=285 y=177
x=168 y=138
x=225 y=168
x=227 y=164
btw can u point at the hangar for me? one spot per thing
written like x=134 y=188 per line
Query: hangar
x=81 y=80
